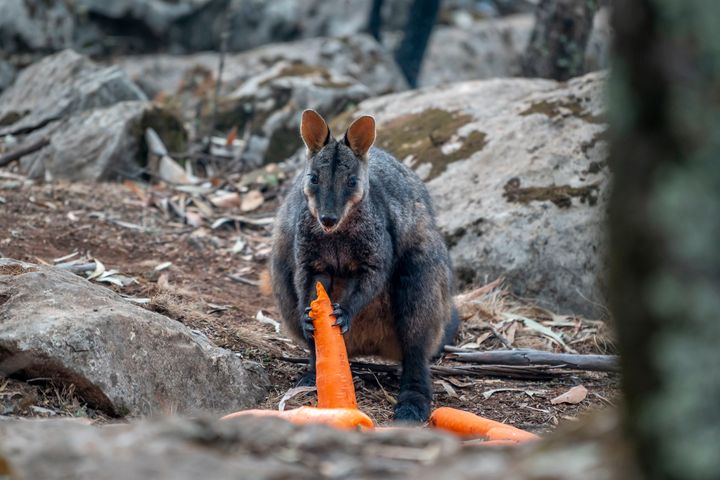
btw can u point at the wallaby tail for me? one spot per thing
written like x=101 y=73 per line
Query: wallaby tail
x=450 y=330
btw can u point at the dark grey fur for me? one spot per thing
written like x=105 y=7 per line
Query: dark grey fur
x=383 y=261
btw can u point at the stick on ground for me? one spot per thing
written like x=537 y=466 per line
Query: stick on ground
x=600 y=363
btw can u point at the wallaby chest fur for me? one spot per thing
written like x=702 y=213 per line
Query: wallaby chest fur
x=395 y=217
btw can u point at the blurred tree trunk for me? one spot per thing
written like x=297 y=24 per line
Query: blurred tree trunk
x=375 y=20
x=559 y=38
x=410 y=52
x=665 y=231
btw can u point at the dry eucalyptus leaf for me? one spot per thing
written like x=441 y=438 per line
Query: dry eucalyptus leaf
x=226 y=200
x=252 y=201
x=574 y=395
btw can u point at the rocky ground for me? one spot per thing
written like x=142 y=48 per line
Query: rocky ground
x=210 y=286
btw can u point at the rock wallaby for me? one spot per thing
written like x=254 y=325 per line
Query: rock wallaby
x=362 y=223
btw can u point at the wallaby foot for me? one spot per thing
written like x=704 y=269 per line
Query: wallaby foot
x=412 y=407
x=415 y=396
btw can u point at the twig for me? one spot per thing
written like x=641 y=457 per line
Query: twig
x=600 y=363
x=505 y=371
x=24 y=150
x=246 y=281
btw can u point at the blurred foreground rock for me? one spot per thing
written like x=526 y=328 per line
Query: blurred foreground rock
x=517 y=169
x=263 y=448
x=121 y=358
x=87 y=120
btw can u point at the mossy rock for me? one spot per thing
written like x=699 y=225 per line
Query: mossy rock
x=422 y=136
x=555 y=109
x=560 y=195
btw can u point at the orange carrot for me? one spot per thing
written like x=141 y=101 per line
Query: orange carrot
x=510 y=433
x=467 y=424
x=334 y=382
x=345 y=418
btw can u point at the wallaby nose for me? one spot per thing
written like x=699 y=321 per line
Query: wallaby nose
x=328 y=220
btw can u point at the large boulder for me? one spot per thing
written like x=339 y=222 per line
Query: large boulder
x=493 y=48
x=517 y=170
x=100 y=144
x=121 y=358
x=86 y=121
x=58 y=86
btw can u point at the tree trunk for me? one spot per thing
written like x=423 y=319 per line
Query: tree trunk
x=410 y=52
x=558 y=41
x=665 y=227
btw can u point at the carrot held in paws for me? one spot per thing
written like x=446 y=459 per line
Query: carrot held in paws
x=345 y=418
x=468 y=424
x=334 y=381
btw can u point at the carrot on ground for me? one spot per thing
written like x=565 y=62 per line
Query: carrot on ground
x=510 y=433
x=468 y=424
x=344 y=418
x=334 y=381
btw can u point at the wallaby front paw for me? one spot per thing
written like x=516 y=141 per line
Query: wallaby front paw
x=307 y=324
x=342 y=319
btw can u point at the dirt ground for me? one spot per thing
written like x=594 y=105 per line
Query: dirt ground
x=128 y=228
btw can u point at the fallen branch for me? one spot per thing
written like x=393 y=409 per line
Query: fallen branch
x=600 y=363
x=516 y=372
x=20 y=152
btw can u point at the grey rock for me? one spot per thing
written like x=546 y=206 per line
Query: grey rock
x=492 y=48
x=100 y=144
x=58 y=86
x=517 y=169
x=7 y=74
x=122 y=359
x=35 y=25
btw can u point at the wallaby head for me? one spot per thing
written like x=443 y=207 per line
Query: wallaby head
x=336 y=173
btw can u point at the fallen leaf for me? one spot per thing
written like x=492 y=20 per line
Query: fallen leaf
x=172 y=172
x=574 y=395
x=99 y=270
x=447 y=387
x=163 y=266
x=65 y=258
x=262 y=318
x=252 y=201
x=162 y=282
x=193 y=219
x=239 y=246
x=226 y=200
x=231 y=136
x=292 y=393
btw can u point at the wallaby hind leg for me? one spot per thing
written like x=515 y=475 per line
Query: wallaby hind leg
x=421 y=308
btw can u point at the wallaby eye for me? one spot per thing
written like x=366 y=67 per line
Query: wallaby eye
x=352 y=182
x=313 y=179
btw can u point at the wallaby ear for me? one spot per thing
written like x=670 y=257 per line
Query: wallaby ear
x=361 y=135
x=314 y=131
